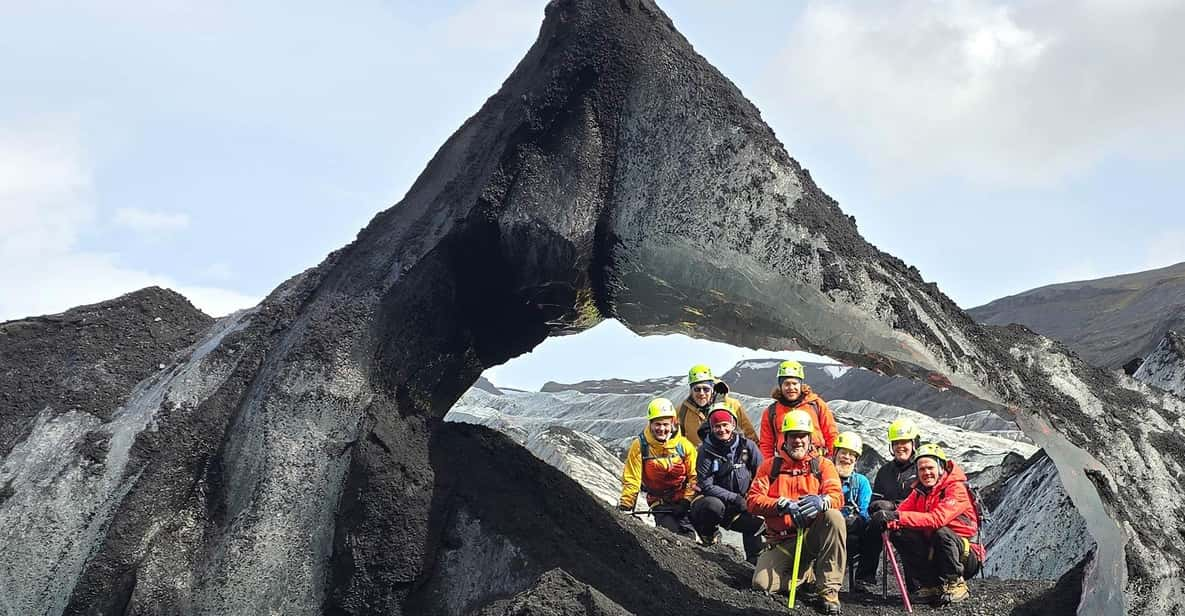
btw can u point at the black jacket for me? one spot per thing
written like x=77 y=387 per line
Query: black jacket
x=894 y=481
x=722 y=469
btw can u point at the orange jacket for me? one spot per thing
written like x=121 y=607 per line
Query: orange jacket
x=690 y=419
x=666 y=476
x=948 y=504
x=825 y=428
x=794 y=480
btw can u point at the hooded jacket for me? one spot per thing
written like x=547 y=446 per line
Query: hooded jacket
x=824 y=422
x=693 y=420
x=666 y=476
x=894 y=480
x=794 y=481
x=857 y=493
x=947 y=504
x=725 y=470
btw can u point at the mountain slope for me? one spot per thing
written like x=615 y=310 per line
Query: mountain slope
x=1108 y=321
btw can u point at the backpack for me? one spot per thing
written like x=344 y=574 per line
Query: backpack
x=776 y=468
x=771 y=411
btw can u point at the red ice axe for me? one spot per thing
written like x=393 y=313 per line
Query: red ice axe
x=896 y=571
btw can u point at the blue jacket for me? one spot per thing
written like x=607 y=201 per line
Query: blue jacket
x=721 y=468
x=857 y=493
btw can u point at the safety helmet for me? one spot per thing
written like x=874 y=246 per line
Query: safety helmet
x=850 y=441
x=903 y=429
x=931 y=450
x=699 y=373
x=659 y=408
x=791 y=368
x=720 y=405
x=797 y=421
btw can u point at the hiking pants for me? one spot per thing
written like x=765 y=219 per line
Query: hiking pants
x=708 y=513
x=673 y=517
x=824 y=555
x=939 y=557
x=856 y=531
x=870 y=542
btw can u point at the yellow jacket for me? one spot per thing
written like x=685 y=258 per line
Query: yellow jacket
x=665 y=476
x=690 y=420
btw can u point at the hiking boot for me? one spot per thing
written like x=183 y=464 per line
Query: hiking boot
x=926 y=593
x=866 y=585
x=713 y=540
x=953 y=591
x=829 y=601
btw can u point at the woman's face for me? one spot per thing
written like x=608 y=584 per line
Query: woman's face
x=662 y=428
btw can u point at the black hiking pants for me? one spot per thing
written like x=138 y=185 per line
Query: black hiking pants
x=941 y=556
x=857 y=526
x=870 y=543
x=673 y=517
x=709 y=513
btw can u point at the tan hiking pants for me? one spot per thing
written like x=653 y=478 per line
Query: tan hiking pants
x=824 y=557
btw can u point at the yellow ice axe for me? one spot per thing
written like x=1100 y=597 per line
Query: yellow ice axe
x=799 y=533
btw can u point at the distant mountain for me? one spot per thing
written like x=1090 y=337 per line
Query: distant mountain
x=1165 y=366
x=757 y=377
x=1108 y=322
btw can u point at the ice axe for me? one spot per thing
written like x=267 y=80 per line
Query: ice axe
x=896 y=571
x=800 y=533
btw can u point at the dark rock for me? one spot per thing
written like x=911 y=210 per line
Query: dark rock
x=293 y=461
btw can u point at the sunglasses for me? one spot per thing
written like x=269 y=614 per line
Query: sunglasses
x=702 y=389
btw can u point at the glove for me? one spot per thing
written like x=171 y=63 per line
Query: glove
x=883 y=517
x=813 y=504
x=785 y=506
x=721 y=388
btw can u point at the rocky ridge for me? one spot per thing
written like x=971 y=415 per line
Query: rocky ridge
x=293 y=459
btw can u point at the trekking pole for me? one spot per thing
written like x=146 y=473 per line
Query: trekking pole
x=897 y=571
x=800 y=533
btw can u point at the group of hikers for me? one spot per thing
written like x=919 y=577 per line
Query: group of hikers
x=794 y=496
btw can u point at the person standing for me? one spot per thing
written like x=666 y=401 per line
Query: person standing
x=661 y=463
x=792 y=393
x=725 y=466
x=705 y=391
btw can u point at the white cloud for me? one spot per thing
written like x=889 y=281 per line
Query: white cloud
x=998 y=92
x=46 y=203
x=145 y=221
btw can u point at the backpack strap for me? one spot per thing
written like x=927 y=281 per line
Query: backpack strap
x=773 y=430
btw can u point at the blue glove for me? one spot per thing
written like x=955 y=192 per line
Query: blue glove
x=785 y=506
x=812 y=505
x=792 y=509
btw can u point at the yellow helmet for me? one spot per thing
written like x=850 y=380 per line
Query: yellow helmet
x=903 y=429
x=659 y=408
x=797 y=421
x=791 y=368
x=931 y=450
x=699 y=373
x=850 y=441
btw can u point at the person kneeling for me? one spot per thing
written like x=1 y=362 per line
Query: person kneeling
x=661 y=463
x=935 y=527
x=725 y=464
x=798 y=491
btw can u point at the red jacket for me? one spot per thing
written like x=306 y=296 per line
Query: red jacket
x=825 y=428
x=794 y=481
x=948 y=504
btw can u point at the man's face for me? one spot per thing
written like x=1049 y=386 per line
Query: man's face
x=791 y=388
x=845 y=462
x=662 y=428
x=929 y=472
x=701 y=393
x=723 y=430
x=798 y=444
x=902 y=450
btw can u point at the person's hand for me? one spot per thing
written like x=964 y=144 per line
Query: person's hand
x=884 y=517
x=721 y=388
x=812 y=505
x=785 y=505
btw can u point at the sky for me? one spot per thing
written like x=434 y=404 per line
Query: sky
x=218 y=148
